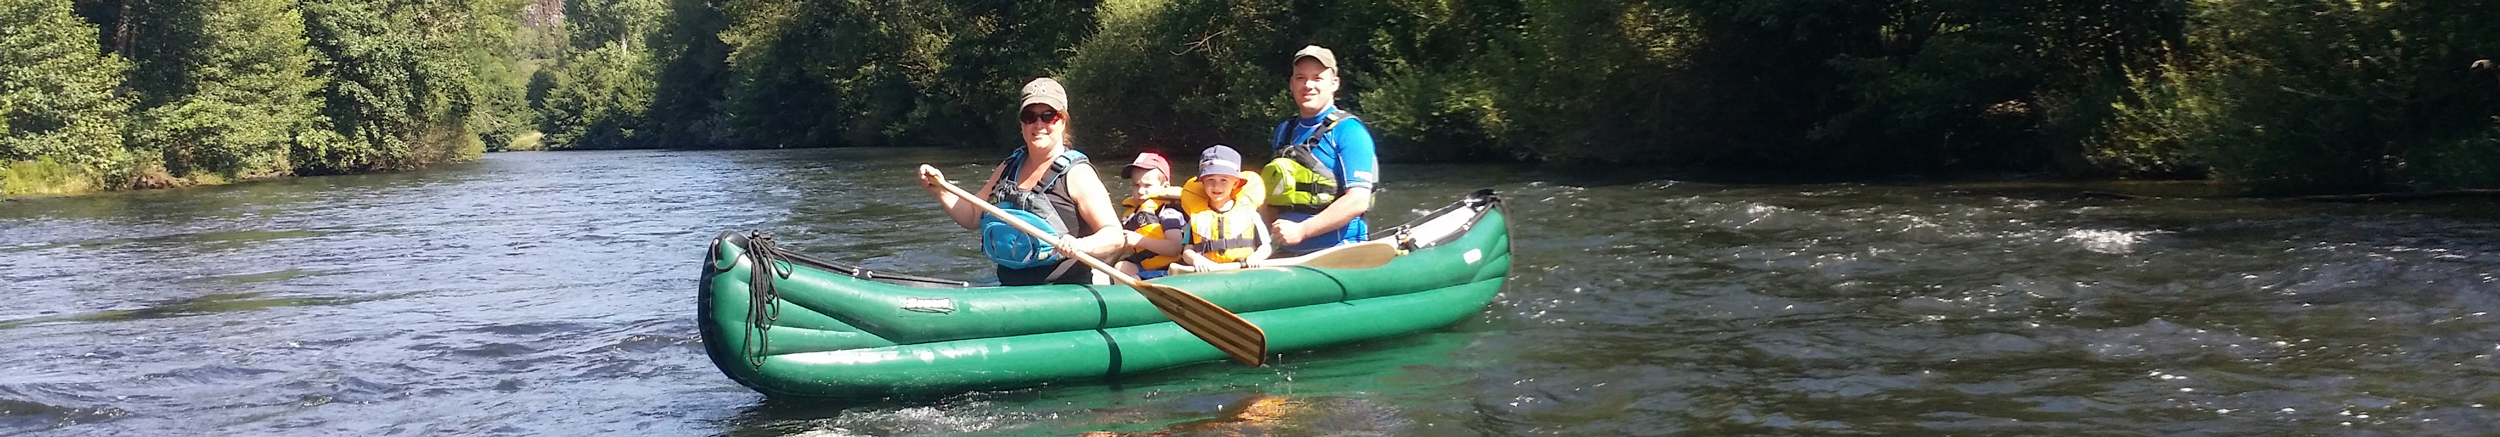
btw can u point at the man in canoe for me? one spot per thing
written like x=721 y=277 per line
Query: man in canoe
x=1049 y=184
x=1320 y=184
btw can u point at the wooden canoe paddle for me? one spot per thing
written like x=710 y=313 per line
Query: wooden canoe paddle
x=1246 y=343
x=1362 y=255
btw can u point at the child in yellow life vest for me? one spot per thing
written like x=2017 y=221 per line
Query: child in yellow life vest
x=1152 y=215
x=1225 y=229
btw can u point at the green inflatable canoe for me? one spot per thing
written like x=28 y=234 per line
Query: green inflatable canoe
x=809 y=328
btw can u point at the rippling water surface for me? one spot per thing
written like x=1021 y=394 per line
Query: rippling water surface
x=552 y=294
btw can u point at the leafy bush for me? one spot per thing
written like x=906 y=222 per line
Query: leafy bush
x=1178 y=76
x=233 y=95
x=598 y=99
x=2320 y=96
x=401 y=95
x=56 y=92
x=45 y=176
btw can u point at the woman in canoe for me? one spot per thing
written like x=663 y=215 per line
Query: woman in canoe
x=1048 y=183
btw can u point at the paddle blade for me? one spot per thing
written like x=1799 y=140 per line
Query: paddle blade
x=1363 y=255
x=1237 y=338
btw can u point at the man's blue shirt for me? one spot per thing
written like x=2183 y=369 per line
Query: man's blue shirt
x=1348 y=151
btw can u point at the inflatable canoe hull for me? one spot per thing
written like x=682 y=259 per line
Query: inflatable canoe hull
x=825 y=330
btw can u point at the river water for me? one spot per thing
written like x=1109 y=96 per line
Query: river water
x=553 y=294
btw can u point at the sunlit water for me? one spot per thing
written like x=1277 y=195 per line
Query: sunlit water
x=553 y=294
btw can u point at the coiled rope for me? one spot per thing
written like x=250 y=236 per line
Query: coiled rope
x=763 y=308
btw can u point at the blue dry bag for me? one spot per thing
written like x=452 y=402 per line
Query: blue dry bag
x=1014 y=249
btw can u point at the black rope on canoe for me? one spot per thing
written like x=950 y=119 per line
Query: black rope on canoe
x=763 y=306
x=1343 y=293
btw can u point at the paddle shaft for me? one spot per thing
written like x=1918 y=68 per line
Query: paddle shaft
x=1237 y=338
x=1364 y=255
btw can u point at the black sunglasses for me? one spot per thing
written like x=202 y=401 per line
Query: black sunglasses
x=1044 y=117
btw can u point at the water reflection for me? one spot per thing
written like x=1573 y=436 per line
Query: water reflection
x=1386 y=387
x=208 y=304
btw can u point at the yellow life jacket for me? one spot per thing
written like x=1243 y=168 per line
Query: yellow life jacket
x=1230 y=235
x=1141 y=217
x=1155 y=199
x=1302 y=183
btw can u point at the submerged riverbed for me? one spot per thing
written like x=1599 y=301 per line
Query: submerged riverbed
x=552 y=294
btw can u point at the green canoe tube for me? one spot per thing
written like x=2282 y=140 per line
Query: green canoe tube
x=818 y=329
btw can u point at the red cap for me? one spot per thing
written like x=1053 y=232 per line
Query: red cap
x=1148 y=160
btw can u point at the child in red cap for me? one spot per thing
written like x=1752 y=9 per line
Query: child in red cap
x=1153 y=217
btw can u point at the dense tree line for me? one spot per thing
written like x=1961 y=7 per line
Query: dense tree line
x=2305 y=95
x=2310 y=95
x=142 y=93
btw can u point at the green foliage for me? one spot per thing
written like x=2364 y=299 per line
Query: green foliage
x=781 y=61
x=756 y=73
x=597 y=96
x=238 y=90
x=2472 y=161
x=1805 y=86
x=56 y=92
x=526 y=142
x=593 y=24
x=413 y=83
x=1178 y=75
x=2325 y=96
x=499 y=74
x=1165 y=75
x=1841 y=88
x=219 y=90
x=693 y=68
x=45 y=176
x=1582 y=81
x=1425 y=75
x=2149 y=131
x=2308 y=95
x=597 y=100
x=985 y=52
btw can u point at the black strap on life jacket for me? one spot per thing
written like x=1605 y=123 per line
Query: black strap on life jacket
x=1302 y=152
x=1142 y=216
x=1223 y=244
x=1010 y=192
